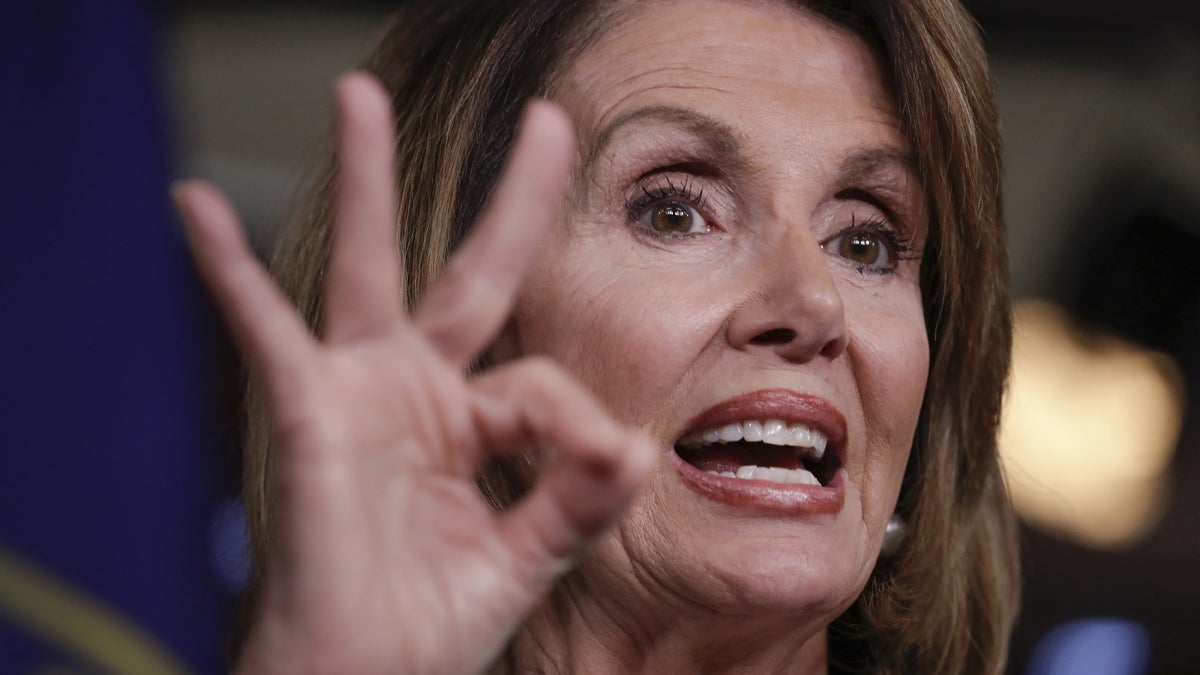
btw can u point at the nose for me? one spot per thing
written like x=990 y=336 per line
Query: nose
x=794 y=309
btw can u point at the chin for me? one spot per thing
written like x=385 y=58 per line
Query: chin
x=801 y=576
x=739 y=562
x=815 y=589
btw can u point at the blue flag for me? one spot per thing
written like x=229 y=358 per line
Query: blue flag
x=108 y=465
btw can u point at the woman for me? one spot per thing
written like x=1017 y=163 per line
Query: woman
x=767 y=319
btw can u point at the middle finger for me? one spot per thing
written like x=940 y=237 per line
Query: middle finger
x=470 y=302
x=364 y=290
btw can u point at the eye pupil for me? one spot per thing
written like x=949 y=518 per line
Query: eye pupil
x=861 y=248
x=671 y=217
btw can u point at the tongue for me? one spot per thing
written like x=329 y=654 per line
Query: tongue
x=728 y=457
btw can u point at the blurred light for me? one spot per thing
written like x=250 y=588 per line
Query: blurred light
x=1090 y=423
x=1092 y=647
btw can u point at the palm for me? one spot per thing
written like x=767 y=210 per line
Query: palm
x=385 y=557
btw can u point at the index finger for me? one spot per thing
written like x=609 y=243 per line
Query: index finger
x=471 y=301
x=600 y=467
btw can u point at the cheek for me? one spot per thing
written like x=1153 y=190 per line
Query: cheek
x=627 y=332
x=890 y=353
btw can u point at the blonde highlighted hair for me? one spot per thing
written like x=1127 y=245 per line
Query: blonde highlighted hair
x=460 y=71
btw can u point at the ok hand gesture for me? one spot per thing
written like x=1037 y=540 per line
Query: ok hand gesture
x=384 y=558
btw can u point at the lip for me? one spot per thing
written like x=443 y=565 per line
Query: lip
x=793 y=499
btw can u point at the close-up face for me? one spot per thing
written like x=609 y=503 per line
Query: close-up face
x=736 y=274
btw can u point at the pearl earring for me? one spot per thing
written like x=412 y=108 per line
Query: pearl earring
x=893 y=536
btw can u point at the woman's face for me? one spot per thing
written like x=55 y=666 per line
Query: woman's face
x=736 y=273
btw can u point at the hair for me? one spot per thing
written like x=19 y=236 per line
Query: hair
x=459 y=73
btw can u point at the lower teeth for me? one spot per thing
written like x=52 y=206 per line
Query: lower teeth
x=771 y=474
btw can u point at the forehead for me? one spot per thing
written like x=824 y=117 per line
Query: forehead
x=768 y=69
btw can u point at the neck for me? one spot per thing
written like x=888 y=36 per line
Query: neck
x=577 y=631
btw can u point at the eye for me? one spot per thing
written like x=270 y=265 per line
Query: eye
x=872 y=247
x=664 y=207
x=862 y=248
x=675 y=217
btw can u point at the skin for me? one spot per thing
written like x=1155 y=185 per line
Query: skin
x=662 y=327
x=386 y=559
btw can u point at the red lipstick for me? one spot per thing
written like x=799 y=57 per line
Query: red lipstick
x=767 y=496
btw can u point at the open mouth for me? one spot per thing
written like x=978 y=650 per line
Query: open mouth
x=768 y=450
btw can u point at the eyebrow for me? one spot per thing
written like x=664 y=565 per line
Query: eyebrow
x=719 y=139
x=865 y=165
x=870 y=162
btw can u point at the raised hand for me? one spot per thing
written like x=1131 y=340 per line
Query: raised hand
x=385 y=558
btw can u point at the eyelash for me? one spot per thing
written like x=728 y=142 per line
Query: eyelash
x=637 y=204
x=899 y=246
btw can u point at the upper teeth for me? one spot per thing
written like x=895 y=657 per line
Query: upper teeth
x=771 y=474
x=771 y=432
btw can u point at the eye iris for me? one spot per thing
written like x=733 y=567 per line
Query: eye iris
x=671 y=217
x=861 y=248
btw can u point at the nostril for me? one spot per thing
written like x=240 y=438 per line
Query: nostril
x=775 y=336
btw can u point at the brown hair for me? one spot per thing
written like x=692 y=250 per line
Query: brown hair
x=459 y=73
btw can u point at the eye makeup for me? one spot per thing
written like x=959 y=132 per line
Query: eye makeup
x=669 y=206
x=871 y=247
x=658 y=172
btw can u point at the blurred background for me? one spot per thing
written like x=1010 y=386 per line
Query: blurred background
x=1101 y=111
